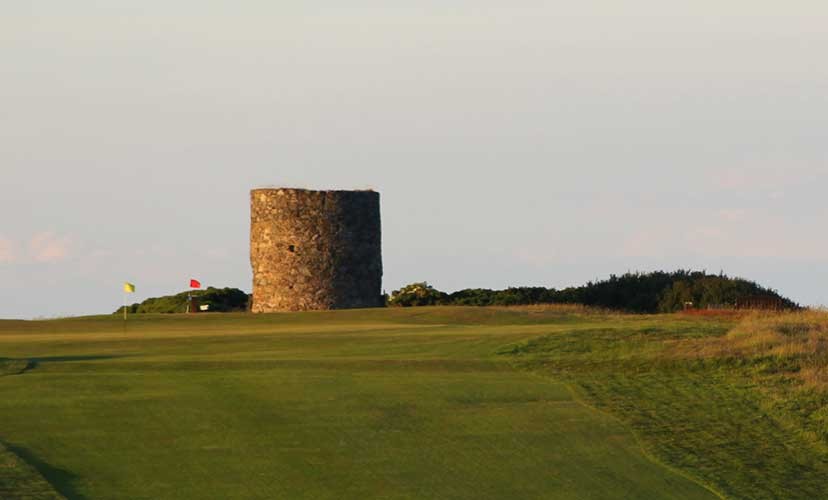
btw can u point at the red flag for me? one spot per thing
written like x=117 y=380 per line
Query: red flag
x=195 y=284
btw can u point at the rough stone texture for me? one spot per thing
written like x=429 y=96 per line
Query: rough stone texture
x=315 y=249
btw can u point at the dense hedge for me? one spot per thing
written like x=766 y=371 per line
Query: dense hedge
x=219 y=300
x=635 y=292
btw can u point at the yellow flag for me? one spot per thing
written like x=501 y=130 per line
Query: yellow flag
x=129 y=288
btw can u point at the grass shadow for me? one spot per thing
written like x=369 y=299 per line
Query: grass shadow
x=64 y=359
x=19 y=366
x=11 y=366
x=63 y=481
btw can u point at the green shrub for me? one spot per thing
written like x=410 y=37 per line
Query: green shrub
x=219 y=300
x=416 y=294
x=634 y=292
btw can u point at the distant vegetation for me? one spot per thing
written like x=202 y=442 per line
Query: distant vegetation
x=219 y=300
x=417 y=294
x=634 y=292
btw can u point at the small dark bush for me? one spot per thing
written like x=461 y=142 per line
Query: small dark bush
x=416 y=294
x=219 y=300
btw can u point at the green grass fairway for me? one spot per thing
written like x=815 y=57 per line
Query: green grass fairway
x=440 y=403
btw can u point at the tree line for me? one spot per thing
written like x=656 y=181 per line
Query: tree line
x=638 y=292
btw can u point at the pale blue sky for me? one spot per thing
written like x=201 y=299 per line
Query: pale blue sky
x=543 y=143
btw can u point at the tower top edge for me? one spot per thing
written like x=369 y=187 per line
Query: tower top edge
x=309 y=191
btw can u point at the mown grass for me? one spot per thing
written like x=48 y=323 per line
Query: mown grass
x=392 y=404
x=448 y=403
x=19 y=480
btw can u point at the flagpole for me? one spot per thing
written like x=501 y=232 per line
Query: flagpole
x=124 y=305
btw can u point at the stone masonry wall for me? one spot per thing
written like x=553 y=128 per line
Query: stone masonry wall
x=315 y=249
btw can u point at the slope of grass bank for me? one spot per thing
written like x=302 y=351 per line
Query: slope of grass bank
x=737 y=407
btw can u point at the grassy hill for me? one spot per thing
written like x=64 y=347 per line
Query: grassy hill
x=444 y=403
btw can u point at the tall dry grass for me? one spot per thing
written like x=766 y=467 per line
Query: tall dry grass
x=800 y=339
x=579 y=309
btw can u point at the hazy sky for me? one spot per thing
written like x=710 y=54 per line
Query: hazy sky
x=514 y=143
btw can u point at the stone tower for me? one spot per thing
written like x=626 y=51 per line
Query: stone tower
x=315 y=249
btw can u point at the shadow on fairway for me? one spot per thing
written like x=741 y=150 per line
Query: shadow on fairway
x=19 y=366
x=61 y=480
x=63 y=359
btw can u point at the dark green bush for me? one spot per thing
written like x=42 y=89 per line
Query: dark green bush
x=634 y=292
x=416 y=294
x=219 y=300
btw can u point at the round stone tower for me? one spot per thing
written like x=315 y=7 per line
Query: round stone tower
x=315 y=249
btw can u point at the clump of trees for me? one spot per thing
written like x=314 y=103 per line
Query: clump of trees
x=416 y=294
x=634 y=292
x=219 y=300
x=720 y=292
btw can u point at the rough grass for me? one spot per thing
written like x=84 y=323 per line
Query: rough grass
x=801 y=337
x=731 y=401
x=786 y=356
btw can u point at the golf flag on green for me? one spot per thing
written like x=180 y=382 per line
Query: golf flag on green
x=128 y=288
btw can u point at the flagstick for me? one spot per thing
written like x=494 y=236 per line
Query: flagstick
x=125 y=312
